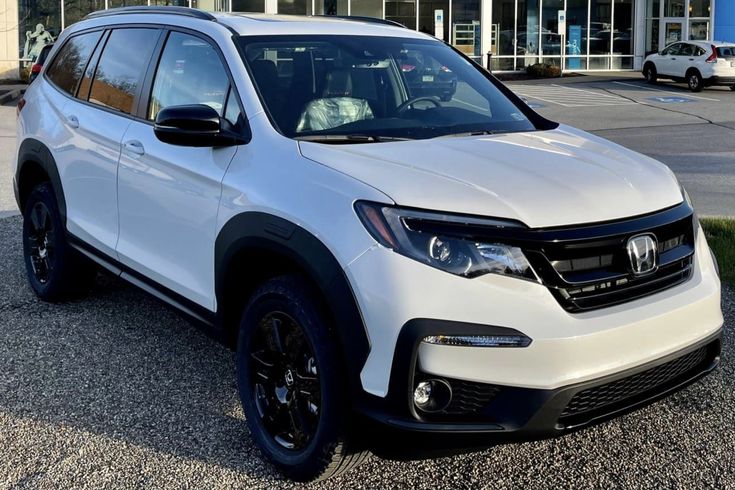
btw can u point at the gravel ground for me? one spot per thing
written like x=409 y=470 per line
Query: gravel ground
x=116 y=391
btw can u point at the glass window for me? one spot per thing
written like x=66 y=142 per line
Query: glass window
x=503 y=33
x=401 y=11
x=653 y=8
x=190 y=72
x=652 y=32
x=699 y=30
x=248 y=5
x=576 y=34
x=75 y=10
x=674 y=8
x=121 y=67
x=40 y=24
x=527 y=40
x=68 y=66
x=210 y=5
x=294 y=7
x=623 y=27
x=466 y=26
x=600 y=26
x=699 y=8
x=550 y=37
x=385 y=87
x=169 y=3
x=126 y=3
x=434 y=18
x=367 y=8
x=329 y=7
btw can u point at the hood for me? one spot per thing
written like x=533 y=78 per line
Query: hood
x=545 y=178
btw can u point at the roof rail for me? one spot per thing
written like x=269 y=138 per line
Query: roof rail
x=364 y=18
x=185 y=11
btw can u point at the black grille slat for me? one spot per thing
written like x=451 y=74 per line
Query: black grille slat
x=599 y=398
x=469 y=398
x=567 y=268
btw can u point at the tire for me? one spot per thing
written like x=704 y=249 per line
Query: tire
x=649 y=72
x=56 y=272
x=732 y=87
x=694 y=81
x=291 y=383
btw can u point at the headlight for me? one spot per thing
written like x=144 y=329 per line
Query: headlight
x=426 y=237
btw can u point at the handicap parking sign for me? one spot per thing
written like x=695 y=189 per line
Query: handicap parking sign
x=671 y=100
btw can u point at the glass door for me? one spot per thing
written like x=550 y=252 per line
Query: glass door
x=672 y=32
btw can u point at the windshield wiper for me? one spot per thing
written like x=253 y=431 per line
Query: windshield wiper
x=348 y=138
x=479 y=132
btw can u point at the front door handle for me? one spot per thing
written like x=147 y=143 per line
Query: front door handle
x=72 y=121
x=134 y=147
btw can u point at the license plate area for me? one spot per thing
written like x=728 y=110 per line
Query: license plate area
x=430 y=78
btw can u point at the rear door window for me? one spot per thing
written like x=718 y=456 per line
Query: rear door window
x=726 y=52
x=121 y=68
x=68 y=66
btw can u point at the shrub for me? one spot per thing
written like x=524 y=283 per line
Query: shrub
x=543 y=70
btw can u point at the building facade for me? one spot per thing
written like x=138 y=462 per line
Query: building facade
x=596 y=34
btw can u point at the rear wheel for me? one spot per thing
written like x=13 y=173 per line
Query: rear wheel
x=732 y=87
x=55 y=270
x=649 y=72
x=694 y=81
x=291 y=384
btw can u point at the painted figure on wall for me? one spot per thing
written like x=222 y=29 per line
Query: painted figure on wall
x=35 y=41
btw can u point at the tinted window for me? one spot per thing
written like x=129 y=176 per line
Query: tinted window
x=315 y=85
x=726 y=52
x=121 y=68
x=190 y=72
x=44 y=54
x=69 y=64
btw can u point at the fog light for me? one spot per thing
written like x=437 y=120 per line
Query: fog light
x=432 y=395
x=422 y=393
x=479 y=340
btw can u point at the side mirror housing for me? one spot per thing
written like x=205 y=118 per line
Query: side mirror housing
x=195 y=125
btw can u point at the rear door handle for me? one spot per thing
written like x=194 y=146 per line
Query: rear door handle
x=72 y=121
x=134 y=147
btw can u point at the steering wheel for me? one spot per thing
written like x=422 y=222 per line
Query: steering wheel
x=402 y=108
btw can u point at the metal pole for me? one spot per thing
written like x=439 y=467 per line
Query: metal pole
x=490 y=61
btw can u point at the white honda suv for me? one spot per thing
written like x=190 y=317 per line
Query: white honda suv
x=380 y=259
x=698 y=63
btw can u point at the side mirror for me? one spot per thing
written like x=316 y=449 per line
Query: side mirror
x=194 y=125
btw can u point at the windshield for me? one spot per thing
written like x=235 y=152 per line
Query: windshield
x=368 y=88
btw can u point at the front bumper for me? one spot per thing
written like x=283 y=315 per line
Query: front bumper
x=515 y=413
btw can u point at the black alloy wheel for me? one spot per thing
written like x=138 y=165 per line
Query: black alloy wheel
x=286 y=384
x=41 y=242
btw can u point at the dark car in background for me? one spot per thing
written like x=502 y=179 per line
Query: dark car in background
x=427 y=78
x=38 y=62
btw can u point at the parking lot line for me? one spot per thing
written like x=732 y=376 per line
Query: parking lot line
x=570 y=97
x=665 y=91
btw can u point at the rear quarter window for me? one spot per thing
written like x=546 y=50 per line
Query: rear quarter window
x=68 y=66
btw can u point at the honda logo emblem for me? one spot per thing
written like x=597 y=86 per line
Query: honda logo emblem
x=642 y=253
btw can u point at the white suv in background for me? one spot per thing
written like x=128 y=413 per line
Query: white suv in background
x=698 y=63
x=381 y=259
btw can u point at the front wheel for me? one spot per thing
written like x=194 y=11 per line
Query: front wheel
x=732 y=87
x=291 y=383
x=694 y=81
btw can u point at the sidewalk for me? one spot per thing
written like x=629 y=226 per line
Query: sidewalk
x=577 y=77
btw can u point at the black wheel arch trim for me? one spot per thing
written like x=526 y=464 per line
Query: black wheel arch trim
x=32 y=152
x=264 y=231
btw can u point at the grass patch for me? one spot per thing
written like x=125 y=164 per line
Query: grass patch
x=720 y=233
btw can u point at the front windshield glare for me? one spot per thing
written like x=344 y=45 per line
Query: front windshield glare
x=367 y=88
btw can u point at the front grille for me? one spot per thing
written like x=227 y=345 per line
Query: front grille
x=604 y=398
x=592 y=269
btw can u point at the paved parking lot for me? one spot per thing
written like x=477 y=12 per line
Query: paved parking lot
x=116 y=391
